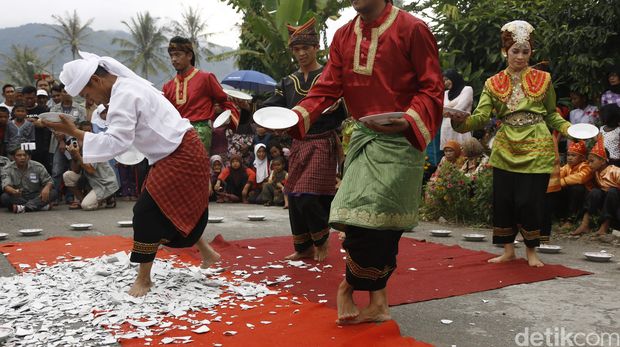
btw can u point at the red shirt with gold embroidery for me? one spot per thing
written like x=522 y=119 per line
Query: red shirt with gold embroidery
x=389 y=65
x=195 y=93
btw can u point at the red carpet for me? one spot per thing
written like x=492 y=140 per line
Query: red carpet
x=304 y=325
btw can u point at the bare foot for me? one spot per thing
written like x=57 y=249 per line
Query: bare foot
x=582 y=229
x=140 y=287
x=502 y=258
x=210 y=260
x=307 y=254
x=532 y=258
x=321 y=251
x=347 y=310
x=209 y=255
x=369 y=315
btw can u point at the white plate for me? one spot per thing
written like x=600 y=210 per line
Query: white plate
x=51 y=116
x=81 y=226
x=238 y=94
x=256 y=218
x=474 y=237
x=382 y=118
x=124 y=223
x=549 y=248
x=600 y=257
x=28 y=232
x=441 y=233
x=453 y=110
x=583 y=131
x=216 y=219
x=131 y=157
x=5 y=333
x=275 y=117
x=3 y=236
x=223 y=118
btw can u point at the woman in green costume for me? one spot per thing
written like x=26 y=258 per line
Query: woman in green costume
x=523 y=99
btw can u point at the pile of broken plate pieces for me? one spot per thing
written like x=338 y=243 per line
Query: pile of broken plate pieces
x=84 y=302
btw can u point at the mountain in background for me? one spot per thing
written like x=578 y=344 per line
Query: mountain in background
x=98 y=42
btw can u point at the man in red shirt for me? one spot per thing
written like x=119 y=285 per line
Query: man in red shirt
x=384 y=61
x=195 y=93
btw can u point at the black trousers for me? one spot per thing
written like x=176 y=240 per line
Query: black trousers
x=152 y=228
x=309 y=217
x=565 y=204
x=371 y=257
x=518 y=206
x=607 y=203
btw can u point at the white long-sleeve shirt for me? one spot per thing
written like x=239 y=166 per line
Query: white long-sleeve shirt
x=138 y=115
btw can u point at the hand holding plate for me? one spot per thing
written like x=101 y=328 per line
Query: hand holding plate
x=390 y=126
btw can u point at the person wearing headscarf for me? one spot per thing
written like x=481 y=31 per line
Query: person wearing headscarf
x=312 y=163
x=457 y=96
x=385 y=60
x=195 y=93
x=173 y=207
x=523 y=153
x=234 y=182
x=612 y=94
x=453 y=155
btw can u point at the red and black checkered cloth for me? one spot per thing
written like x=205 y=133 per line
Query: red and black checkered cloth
x=312 y=165
x=179 y=183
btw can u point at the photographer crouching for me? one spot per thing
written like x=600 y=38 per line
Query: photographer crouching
x=93 y=185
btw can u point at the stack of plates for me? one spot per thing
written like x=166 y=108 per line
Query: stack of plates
x=599 y=257
x=549 y=248
x=441 y=233
x=256 y=218
x=81 y=226
x=30 y=232
x=474 y=237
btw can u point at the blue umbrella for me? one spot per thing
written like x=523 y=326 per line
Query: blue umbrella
x=252 y=80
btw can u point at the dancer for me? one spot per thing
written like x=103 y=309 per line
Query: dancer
x=523 y=152
x=311 y=183
x=170 y=211
x=384 y=60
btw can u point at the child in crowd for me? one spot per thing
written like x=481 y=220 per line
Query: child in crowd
x=576 y=179
x=19 y=130
x=262 y=169
x=610 y=116
x=272 y=189
x=475 y=159
x=583 y=112
x=605 y=197
x=216 y=170
x=234 y=183
x=262 y=136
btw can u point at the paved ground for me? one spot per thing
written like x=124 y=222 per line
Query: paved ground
x=587 y=304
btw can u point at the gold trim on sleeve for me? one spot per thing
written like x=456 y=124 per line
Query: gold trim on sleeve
x=374 y=43
x=305 y=114
x=421 y=126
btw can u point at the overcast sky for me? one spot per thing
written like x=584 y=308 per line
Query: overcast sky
x=222 y=20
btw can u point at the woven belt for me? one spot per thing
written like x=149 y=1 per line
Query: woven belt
x=520 y=119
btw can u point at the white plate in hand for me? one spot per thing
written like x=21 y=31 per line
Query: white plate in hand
x=216 y=219
x=474 y=237
x=600 y=257
x=125 y=223
x=30 y=232
x=53 y=117
x=274 y=117
x=81 y=226
x=3 y=236
x=382 y=118
x=223 y=118
x=256 y=218
x=441 y=233
x=238 y=94
x=583 y=131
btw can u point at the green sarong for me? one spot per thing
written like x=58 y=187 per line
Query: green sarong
x=381 y=187
x=205 y=133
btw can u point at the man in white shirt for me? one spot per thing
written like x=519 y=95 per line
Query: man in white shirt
x=170 y=210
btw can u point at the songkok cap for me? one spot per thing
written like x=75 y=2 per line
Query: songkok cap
x=599 y=148
x=303 y=35
x=76 y=74
x=42 y=92
x=578 y=148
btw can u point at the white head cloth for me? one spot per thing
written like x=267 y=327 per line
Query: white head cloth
x=76 y=74
x=520 y=30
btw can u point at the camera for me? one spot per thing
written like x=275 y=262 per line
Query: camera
x=72 y=141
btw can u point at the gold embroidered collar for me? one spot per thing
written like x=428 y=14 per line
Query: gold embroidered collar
x=374 y=42
x=181 y=91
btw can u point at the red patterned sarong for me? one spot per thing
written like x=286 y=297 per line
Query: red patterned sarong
x=179 y=183
x=312 y=165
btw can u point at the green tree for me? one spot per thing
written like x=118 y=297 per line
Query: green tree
x=578 y=39
x=20 y=66
x=264 y=37
x=194 y=27
x=145 y=51
x=70 y=33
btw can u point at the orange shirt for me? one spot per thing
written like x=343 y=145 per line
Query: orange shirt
x=577 y=174
x=608 y=178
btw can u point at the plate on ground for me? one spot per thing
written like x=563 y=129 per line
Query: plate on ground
x=237 y=94
x=30 y=232
x=216 y=219
x=3 y=236
x=474 y=237
x=600 y=257
x=130 y=157
x=549 y=248
x=5 y=333
x=256 y=218
x=125 y=223
x=274 y=117
x=441 y=233
x=583 y=131
x=81 y=226
x=53 y=117
x=382 y=118
x=222 y=119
